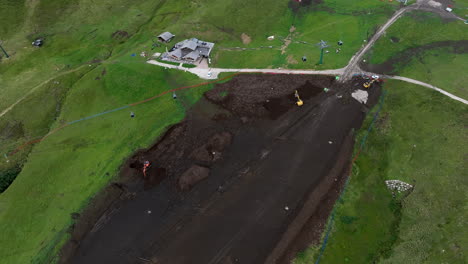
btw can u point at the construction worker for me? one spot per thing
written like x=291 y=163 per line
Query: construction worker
x=146 y=165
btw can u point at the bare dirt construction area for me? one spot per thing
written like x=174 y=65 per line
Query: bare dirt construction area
x=247 y=177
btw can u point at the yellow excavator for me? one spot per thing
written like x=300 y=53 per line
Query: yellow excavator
x=368 y=84
x=299 y=101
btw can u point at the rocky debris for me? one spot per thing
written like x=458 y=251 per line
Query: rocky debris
x=397 y=185
x=192 y=176
x=361 y=96
x=434 y=3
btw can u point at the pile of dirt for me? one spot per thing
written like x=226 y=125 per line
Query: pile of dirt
x=279 y=105
x=249 y=95
x=212 y=150
x=192 y=176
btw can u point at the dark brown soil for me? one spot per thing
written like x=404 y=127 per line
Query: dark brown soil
x=395 y=39
x=211 y=151
x=244 y=99
x=192 y=176
x=220 y=181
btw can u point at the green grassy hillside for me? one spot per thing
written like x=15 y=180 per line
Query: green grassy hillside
x=415 y=29
x=440 y=67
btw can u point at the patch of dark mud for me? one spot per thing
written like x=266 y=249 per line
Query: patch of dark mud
x=304 y=6
x=8 y=176
x=102 y=74
x=394 y=39
x=120 y=35
x=392 y=65
x=96 y=214
x=211 y=151
x=271 y=95
x=12 y=130
x=279 y=105
x=310 y=223
x=94 y=61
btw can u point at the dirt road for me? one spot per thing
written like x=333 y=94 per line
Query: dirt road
x=8 y=109
x=212 y=73
x=258 y=183
x=353 y=65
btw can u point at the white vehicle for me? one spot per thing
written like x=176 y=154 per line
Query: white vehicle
x=375 y=77
x=448 y=9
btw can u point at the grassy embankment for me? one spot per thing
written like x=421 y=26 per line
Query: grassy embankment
x=331 y=21
x=415 y=29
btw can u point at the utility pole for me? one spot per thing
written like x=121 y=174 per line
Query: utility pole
x=322 y=45
x=4 y=51
x=321 y=56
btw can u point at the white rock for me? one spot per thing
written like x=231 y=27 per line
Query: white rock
x=361 y=96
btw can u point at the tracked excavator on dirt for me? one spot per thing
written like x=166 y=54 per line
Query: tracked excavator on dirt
x=299 y=102
x=369 y=83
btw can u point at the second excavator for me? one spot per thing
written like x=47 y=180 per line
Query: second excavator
x=299 y=102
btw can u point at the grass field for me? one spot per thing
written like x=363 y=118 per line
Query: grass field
x=418 y=138
x=439 y=67
x=461 y=8
x=415 y=29
x=330 y=21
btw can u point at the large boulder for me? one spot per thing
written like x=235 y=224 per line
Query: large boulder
x=192 y=176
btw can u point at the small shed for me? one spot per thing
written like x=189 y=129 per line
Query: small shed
x=166 y=36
